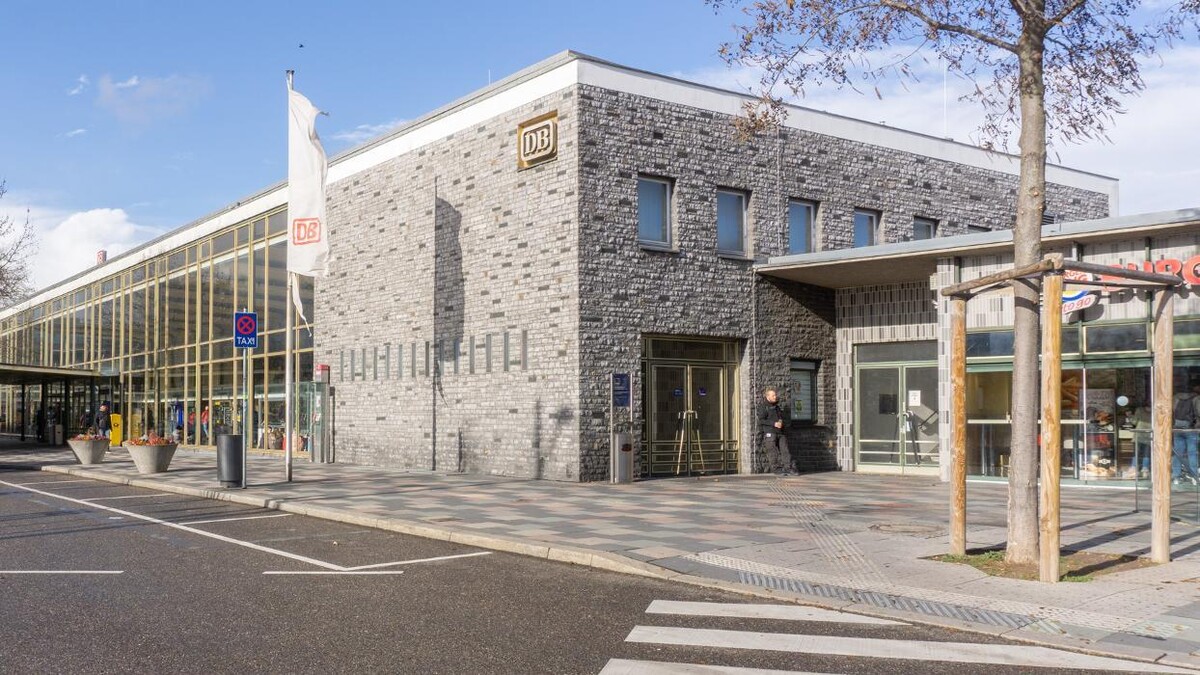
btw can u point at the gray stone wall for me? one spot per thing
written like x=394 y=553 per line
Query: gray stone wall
x=486 y=322
x=492 y=289
x=627 y=291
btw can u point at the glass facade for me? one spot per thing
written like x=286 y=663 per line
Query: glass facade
x=1106 y=388
x=161 y=332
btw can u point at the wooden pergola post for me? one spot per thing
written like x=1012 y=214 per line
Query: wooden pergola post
x=958 y=415
x=1051 y=461
x=1160 y=453
x=1051 y=268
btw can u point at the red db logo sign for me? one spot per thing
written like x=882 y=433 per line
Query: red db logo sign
x=306 y=231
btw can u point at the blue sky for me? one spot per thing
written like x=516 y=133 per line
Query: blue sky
x=126 y=119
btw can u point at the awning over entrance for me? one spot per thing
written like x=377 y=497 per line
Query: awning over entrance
x=14 y=374
x=917 y=260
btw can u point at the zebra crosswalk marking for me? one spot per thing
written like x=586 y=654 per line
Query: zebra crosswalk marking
x=763 y=611
x=957 y=652
x=633 y=667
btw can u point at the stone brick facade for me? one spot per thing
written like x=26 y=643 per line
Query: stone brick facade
x=627 y=290
x=463 y=333
x=487 y=325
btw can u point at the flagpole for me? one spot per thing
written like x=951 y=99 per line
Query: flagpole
x=287 y=367
x=288 y=375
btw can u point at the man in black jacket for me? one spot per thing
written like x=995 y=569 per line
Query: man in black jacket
x=104 y=421
x=771 y=422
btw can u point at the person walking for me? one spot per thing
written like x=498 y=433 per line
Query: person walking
x=772 y=422
x=1185 y=413
x=104 y=421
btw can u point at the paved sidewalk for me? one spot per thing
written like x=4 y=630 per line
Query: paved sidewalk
x=849 y=541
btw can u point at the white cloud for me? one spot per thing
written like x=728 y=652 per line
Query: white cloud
x=80 y=85
x=75 y=132
x=68 y=241
x=140 y=101
x=1153 y=143
x=365 y=132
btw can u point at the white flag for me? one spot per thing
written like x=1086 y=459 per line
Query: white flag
x=308 y=235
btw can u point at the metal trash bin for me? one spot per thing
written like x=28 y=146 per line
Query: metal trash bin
x=59 y=435
x=625 y=458
x=229 y=460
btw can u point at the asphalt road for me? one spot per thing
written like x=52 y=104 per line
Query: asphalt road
x=103 y=578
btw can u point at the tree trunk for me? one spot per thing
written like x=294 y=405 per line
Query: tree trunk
x=1027 y=249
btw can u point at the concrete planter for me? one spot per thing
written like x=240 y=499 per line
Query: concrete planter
x=151 y=458
x=89 y=452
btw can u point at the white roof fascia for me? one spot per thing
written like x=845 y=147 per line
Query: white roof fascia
x=651 y=85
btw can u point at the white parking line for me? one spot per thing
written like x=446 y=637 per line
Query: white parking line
x=62 y=571
x=338 y=573
x=96 y=499
x=185 y=528
x=419 y=560
x=53 y=482
x=226 y=520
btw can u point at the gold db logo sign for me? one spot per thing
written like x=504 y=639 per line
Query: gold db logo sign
x=537 y=140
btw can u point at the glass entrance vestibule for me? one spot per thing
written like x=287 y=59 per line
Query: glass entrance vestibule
x=1106 y=403
x=896 y=407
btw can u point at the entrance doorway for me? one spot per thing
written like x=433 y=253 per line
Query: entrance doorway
x=896 y=417
x=691 y=420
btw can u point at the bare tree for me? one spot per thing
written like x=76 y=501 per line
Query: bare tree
x=17 y=245
x=1053 y=68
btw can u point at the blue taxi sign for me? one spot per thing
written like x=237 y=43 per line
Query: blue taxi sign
x=245 y=330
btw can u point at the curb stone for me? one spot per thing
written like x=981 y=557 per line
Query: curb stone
x=614 y=562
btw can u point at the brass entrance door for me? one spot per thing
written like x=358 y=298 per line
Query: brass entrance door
x=690 y=427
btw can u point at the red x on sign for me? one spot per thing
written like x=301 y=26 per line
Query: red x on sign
x=246 y=325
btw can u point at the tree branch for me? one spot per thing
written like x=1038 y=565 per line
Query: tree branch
x=949 y=27
x=1065 y=12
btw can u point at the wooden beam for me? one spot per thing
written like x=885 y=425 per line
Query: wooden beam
x=1051 y=460
x=958 y=435
x=1122 y=273
x=1160 y=453
x=1052 y=261
x=1109 y=285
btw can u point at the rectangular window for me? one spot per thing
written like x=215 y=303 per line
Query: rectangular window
x=1115 y=338
x=924 y=228
x=731 y=222
x=804 y=391
x=866 y=224
x=1187 y=334
x=801 y=226
x=654 y=211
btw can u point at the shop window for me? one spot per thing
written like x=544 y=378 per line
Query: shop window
x=1130 y=337
x=654 y=212
x=1187 y=334
x=924 y=228
x=802 y=218
x=731 y=222
x=804 y=391
x=866 y=228
x=885 y=352
x=999 y=343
